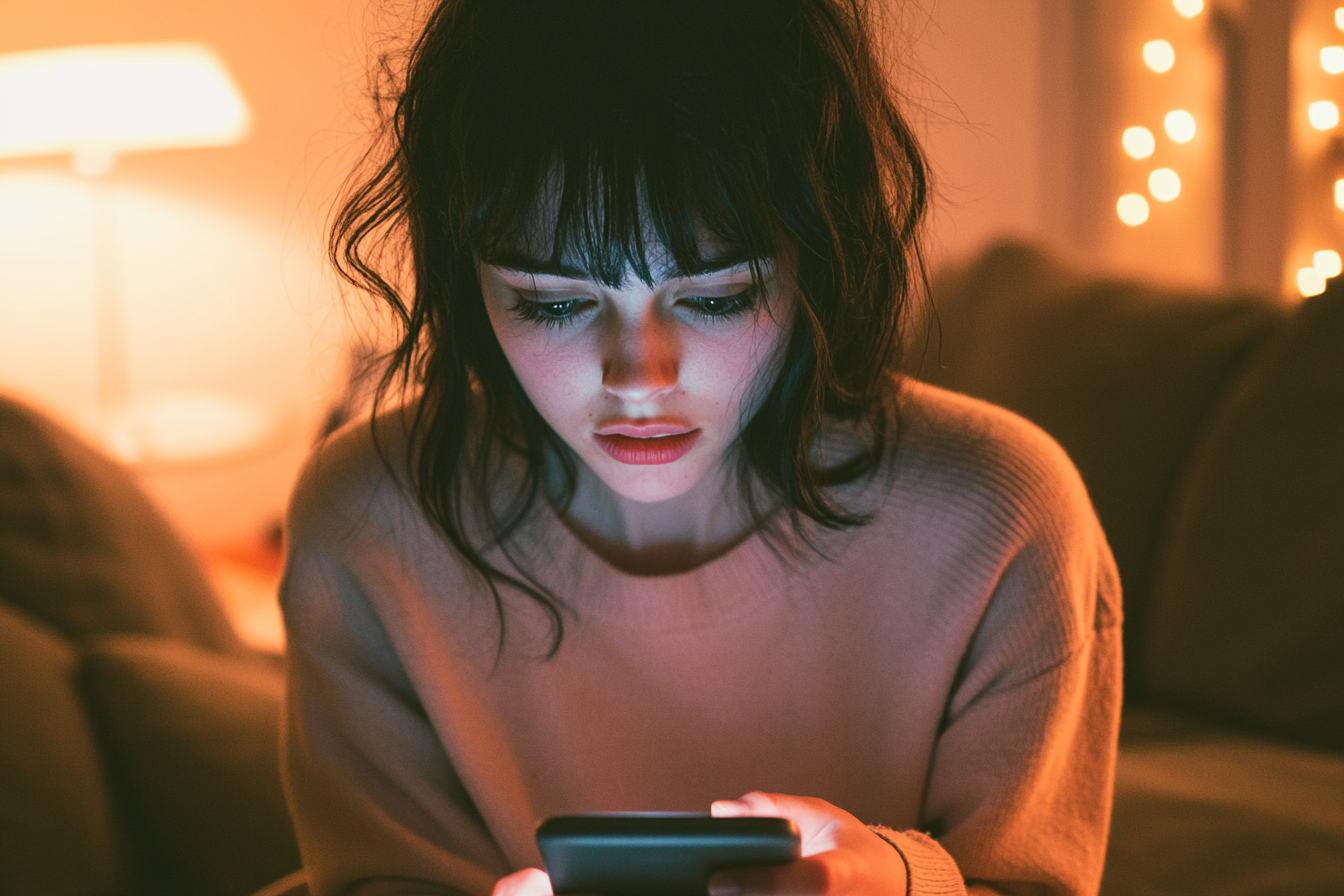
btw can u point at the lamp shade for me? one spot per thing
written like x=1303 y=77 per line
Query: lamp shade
x=114 y=98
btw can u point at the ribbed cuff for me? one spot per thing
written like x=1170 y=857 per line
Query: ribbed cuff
x=929 y=870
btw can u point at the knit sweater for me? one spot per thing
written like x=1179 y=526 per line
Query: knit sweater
x=949 y=671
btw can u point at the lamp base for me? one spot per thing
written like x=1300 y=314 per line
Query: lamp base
x=182 y=426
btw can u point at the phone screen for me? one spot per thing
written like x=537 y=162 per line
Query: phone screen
x=657 y=854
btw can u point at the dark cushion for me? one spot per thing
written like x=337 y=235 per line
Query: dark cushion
x=83 y=550
x=192 y=741
x=1248 y=619
x=58 y=832
x=1124 y=376
x=1200 y=812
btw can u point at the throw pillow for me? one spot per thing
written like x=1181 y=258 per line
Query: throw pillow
x=58 y=831
x=192 y=743
x=1249 y=610
x=82 y=548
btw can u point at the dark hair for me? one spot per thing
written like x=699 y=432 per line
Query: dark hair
x=767 y=122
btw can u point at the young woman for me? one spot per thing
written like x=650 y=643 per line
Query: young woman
x=659 y=523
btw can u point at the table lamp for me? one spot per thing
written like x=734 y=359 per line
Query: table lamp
x=95 y=103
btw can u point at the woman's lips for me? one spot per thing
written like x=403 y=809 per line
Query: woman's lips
x=649 y=446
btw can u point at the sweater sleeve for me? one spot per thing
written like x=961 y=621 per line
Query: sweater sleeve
x=370 y=789
x=1018 y=797
x=1020 y=793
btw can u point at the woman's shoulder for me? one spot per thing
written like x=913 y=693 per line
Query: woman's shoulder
x=355 y=475
x=986 y=503
x=965 y=453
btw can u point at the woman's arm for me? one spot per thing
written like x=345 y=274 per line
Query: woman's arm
x=377 y=806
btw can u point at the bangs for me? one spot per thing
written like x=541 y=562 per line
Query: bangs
x=611 y=127
x=608 y=214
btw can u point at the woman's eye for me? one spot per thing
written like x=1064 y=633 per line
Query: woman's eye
x=719 y=307
x=548 y=314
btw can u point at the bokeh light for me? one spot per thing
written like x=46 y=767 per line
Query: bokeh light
x=1310 y=282
x=1164 y=184
x=1180 y=126
x=1328 y=262
x=1189 y=8
x=1138 y=142
x=1323 y=115
x=1158 y=55
x=1332 y=59
x=1132 y=209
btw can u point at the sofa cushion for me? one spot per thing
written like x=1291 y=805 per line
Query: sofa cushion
x=1123 y=375
x=58 y=832
x=1249 y=611
x=1201 y=812
x=192 y=740
x=82 y=549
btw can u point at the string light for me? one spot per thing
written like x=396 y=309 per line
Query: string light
x=1159 y=56
x=1189 y=8
x=1328 y=263
x=1132 y=209
x=1180 y=126
x=1323 y=115
x=1164 y=184
x=1310 y=282
x=1332 y=60
x=1138 y=142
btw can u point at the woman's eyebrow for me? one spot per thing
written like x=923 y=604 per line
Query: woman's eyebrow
x=528 y=266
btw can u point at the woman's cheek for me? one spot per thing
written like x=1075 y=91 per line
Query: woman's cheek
x=553 y=377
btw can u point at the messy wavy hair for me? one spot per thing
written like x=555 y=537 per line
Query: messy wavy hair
x=768 y=123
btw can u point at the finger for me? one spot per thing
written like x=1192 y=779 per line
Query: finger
x=820 y=823
x=528 y=882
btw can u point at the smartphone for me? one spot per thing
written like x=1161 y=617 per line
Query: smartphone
x=657 y=854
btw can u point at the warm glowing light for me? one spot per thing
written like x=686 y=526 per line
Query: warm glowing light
x=1180 y=126
x=1189 y=8
x=1158 y=55
x=1332 y=59
x=1164 y=184
x=1138 y=142
x=101 y=100
x=176 y=426
x=1132 y=209
x=1339 y=194
x=1328 y=263
x=1323 y=115
x=1310 y=282
x=1339 y=18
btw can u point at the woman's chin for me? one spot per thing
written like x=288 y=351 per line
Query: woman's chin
x=649 y=484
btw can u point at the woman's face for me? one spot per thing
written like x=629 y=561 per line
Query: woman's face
x=649 y=384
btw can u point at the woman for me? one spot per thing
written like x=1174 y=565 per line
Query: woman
x=659 y=523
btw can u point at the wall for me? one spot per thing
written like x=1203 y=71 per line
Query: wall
x=220 y=248
x=972 y=71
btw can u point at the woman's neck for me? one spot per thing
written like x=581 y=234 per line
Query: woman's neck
x=660 y=538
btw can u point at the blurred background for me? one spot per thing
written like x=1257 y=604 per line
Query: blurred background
x=171 y=300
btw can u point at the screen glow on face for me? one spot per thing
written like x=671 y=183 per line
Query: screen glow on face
x=650 y=385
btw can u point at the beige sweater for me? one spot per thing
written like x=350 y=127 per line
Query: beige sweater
x=953 y=667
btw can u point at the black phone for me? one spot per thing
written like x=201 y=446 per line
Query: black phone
x=657 y=854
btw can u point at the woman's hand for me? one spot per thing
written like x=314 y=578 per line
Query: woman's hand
x=839 y=853
x=528 y=882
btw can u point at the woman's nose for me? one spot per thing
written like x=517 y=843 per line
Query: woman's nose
x=641 y=361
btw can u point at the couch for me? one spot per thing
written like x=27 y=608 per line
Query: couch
x=1209 y=429
x=138 y=736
